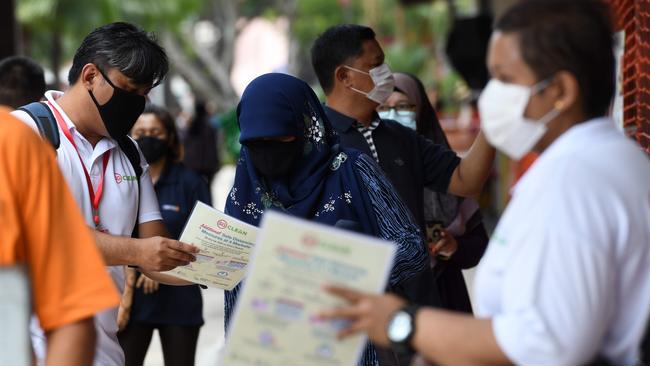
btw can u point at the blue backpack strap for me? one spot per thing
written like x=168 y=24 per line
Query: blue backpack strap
x=44 y=119
x=129 y=147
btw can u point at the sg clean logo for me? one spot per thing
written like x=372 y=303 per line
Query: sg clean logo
x=119 y=178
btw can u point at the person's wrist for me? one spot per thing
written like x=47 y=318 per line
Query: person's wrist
x=136 y=251
x=401 y=328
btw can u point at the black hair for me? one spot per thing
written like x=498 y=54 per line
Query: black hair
x=125 y=47
x=573 y=36
x=22 y=81
x=335 y=47
x=163 y=115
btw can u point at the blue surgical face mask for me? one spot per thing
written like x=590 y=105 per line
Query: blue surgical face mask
x=405 y=118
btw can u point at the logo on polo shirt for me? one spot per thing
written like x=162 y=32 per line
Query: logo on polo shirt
x=125 y=178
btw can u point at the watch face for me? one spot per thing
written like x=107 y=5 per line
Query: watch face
x=400 y=327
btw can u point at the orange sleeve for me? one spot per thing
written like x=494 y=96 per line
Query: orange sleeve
x=68 y=276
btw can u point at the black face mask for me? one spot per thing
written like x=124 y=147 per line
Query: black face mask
x=121 y=111
x=153 y=148
x=274 y=159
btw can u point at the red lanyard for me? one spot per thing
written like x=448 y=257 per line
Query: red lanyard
x=95 y=197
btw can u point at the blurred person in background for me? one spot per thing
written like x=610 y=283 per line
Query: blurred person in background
x=175 y=311
x=200 y=144
x=564 y=280
x=22 y=81
x=455 y=233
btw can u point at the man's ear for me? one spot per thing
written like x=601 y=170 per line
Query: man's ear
x=342 y=76
x=89 y=76
x=568 y=90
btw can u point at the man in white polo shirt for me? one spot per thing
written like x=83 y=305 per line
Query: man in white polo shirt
x=113 y=70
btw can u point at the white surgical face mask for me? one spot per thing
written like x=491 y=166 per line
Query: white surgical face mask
x=384 y=82
x=502 y=108
x=405 y=118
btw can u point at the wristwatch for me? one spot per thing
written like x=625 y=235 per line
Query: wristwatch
x=401 y=327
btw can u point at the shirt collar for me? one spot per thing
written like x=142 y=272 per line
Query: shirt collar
x=570 y=139
x=104 y=144
x=373 y=124
x=342 y=122
x=52 y=96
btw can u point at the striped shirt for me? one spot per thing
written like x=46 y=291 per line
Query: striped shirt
x=367 y=133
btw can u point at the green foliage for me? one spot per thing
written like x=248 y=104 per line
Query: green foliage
x=313 y=17
x=230 y=131
x=408 y=58
x=153 y=14
x=255 y=8
x=73 y=19
x=413 y=37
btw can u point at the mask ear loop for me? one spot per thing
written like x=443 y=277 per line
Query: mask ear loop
x=362 y=72
x=539 y=86
x=357 y=70
x=557 y=106
x=106 y=77
x=111 y=83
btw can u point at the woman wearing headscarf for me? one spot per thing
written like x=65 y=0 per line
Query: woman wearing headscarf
x=455 y=232
x=291 y=162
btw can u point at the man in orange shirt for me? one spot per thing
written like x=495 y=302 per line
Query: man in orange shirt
x=42 y=230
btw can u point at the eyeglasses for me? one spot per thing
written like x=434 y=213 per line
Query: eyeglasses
x=402 y=107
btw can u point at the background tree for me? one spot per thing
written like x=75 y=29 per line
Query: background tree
x=8 y=44
x=200 y=35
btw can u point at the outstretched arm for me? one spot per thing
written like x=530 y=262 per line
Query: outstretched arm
x=442 y=337
x=472 y=172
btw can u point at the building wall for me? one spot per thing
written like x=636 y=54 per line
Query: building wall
x=633 y=16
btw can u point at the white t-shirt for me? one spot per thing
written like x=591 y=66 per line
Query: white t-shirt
x=117 y=211
x=566 y=275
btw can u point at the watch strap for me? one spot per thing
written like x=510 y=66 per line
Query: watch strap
x=405 y=347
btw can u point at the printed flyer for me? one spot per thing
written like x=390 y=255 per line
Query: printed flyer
x=225 y=245
x=275 y=322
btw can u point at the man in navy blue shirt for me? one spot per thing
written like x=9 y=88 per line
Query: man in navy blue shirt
x=350 y=67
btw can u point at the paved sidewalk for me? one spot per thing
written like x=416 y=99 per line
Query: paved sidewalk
x=210 y=338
